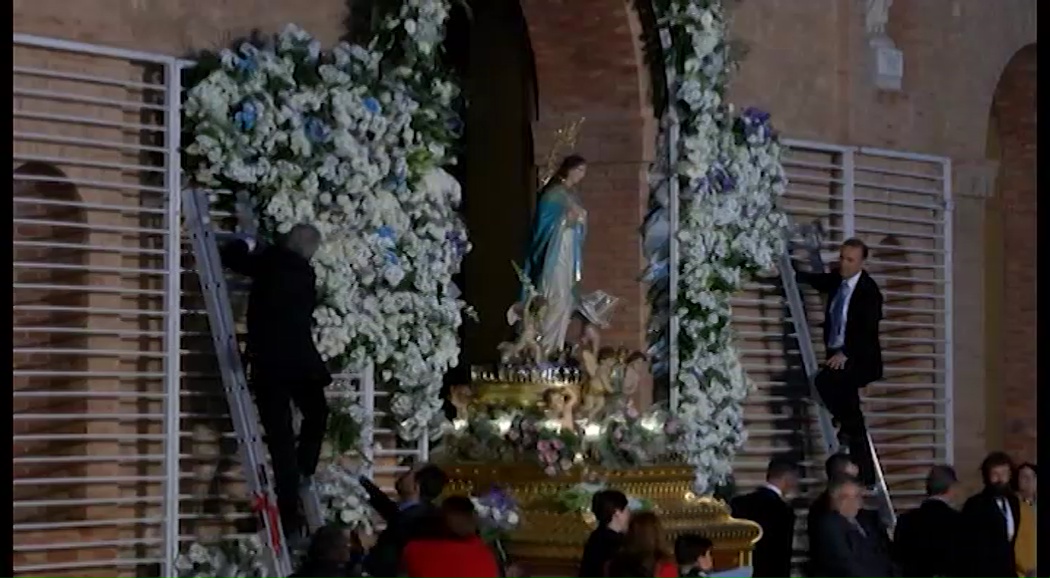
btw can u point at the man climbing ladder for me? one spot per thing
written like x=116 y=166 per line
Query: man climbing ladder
x=286 y=368
x=283 y=361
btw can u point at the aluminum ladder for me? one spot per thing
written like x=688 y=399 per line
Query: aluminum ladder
x=800 y=321
x=215 y=289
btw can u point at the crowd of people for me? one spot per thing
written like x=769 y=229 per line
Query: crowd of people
x=992 y=533
x=425 y=538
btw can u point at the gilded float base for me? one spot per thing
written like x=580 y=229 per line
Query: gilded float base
x=550 y=541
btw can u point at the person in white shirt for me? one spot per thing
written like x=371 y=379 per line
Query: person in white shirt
x=851 y=339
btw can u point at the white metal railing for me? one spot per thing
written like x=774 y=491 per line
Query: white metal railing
x=96 y=358
x=899 y=204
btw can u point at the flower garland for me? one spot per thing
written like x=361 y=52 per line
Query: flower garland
x=730 y=177
x=352 y=143
x=231 y=558
x=619 y=440
x=343 y=498
x=577 y=499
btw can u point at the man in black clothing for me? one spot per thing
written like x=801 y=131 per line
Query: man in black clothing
x=837 y=467
x=610 y=509
x=848 y=545
x=284 y=363
x=769 y=508
x=927 y=539
x=990 y=521
x=418 y=490
x=851 y=337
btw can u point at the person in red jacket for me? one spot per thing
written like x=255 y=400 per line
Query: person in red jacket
x=643 y=552
x=455 y=550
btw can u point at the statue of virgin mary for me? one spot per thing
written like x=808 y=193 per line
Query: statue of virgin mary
x=555 y=251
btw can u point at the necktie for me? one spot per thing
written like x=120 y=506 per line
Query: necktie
x=838 y=317
x=1007 y=517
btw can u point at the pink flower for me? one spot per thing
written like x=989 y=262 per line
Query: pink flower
x=543 y=446
x=632 y=412
x=549 y=470
x=557 y=444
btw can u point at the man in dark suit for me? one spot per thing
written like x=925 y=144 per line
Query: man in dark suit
x=283 y=359
x=851 y=337
x=927 y=539
x=414 y=518
x=837 y=467
x=768 y=507
x=848 y=545
x=990 y=521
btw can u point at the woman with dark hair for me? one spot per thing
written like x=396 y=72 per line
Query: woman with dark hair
x=1024 y=482
x=555 y=251
x=329 y=554
x=643 y=552
x=455 y=550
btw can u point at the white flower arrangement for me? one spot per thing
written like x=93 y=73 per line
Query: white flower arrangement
x=353 y=144
x=343 y=498
x=237 y=558
x=730 y=177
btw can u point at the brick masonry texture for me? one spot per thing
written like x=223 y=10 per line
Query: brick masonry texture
x=808 y=64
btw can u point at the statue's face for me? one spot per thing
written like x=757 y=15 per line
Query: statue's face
x=575 y=175
x=556 y=401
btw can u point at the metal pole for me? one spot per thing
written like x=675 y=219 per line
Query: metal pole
x=673 y=267
x=949 y=316
x=367 y=396
x=173 y=312
x=849 y=205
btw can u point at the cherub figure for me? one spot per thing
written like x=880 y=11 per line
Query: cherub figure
x=637 y=365
x=598 y=385
x=526 y=347
x=559 y=403
x=460 y=397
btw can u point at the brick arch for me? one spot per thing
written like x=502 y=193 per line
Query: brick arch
x=47 y=233
x=589 y=62
x=1011 y=264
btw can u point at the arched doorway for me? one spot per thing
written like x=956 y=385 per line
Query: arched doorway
x=1010 y=264
x=530 y=68
x=49 y=323
x=491 y=50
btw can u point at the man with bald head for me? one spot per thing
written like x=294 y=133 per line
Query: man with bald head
x=285 y=366
x=848 y=545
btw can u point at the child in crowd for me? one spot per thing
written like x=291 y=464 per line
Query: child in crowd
x=693 y=554
x=610 y=510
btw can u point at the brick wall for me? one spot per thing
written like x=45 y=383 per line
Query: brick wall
x=588 y=64
x=1014 y=109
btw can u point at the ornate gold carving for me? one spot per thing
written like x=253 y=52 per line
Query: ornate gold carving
x=549 y=533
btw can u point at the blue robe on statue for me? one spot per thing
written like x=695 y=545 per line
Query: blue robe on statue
x=554 y=259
